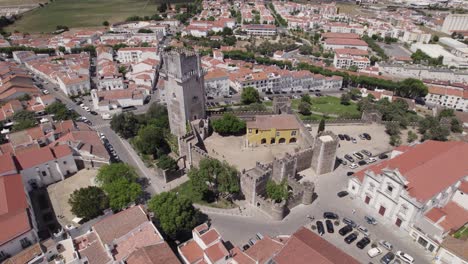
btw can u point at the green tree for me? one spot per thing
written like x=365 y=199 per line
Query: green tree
x=435 y=38
x=157 y=115
x=456 y=126
x=112 y=172
x=395 y=140
x=392 y=128
x=304 y=108
x=60 y=111
x=345 y=99
x=23 y=120
x=305 y=50
x=353 y=68
x=166 y=162
x=88 y=202
x=226 y=31
x=306 y=98
x=250 y=95
x=122 y=192
x=198 y=185
x=105 y=23
x=176 y=214
x=431 y=128
x=125 y=124
x=321 y=126
x=150 y=140
x=411 y=88
x=277 y=192
x=229 y=124
x=411 y=136
x=446 y=113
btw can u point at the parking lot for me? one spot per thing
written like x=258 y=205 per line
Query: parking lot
x=339 y=240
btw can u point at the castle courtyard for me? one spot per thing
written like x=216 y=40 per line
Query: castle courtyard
x=233 y=150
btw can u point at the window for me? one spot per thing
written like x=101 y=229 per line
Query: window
x=389 y=188
x=293 y=133
x=44 y=173
x=277 y=133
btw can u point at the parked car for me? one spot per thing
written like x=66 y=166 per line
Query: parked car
x=349 y=158
x=45 y=92
x=374 y=252
x=383 y=156
x=330 y=215
x=371 y=160
x=354 y=140
x=366 y=152
x=341 y=136
x=259 y=236
x=361 y=136
x=341 y=161
x=370 y=220
x=387 y=258
x=363 y=242
x=350 y=173
x=386 y=245
x=93 y=113
x=329 y=225
x=367 y=136
x=405 y=257
x=363 y=230
x=320 y=228
x=347 y=137
x=362 y=162
x=342 y=194
x=353 y=166
x=358 y=155
x=350 y=238
x=349 y=222
x=345 y=230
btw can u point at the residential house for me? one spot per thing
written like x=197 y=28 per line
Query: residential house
x=217 y=83
x=448 y=97
x=272 y=129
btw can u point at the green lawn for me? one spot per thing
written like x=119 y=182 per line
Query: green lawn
x=330 y=105
x=461 y=233
x=81 y=13
x=184 y=190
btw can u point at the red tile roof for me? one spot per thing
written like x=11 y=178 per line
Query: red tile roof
x=155 y=254
x=305 y=245
x=61 y=151
x=420 y=165
x=463 y=187
x=340 y=35
x=7 y=164
x=120 y=224
x=191 y=251
x=34 y=157
x=14 y=220
x=210 y=237
x=264 y=249
x=450 y=217
x=342 y=41
x=216 y=252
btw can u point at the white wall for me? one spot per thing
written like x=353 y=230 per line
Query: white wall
x=14 y=246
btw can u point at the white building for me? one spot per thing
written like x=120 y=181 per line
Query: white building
x=341 y=43
x=108 y=75
x=260 y=30
x=452 y=251
x=448 y=97
x=136 y=54
x=216 y=83
x=455 y=22
x=412 y=182
x=112 y=101
x=44 y=166
x=345 y=58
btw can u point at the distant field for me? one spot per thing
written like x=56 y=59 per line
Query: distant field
x=79 y=13
x=20 y=2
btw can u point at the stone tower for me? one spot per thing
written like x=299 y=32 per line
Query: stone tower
x=324 y=155
x=185 y=89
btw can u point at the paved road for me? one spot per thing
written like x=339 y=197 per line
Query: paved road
x=126 y=153
x=239 y=229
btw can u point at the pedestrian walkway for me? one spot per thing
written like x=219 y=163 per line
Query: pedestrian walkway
x=242 y=211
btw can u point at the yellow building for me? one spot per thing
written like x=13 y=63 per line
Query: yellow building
x=272 y=129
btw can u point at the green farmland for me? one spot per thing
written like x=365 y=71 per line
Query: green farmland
x=81 y=13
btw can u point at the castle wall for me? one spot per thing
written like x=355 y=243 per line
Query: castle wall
x=284 y=168
x=304 y=159
x=307 y=138
x=324 y=155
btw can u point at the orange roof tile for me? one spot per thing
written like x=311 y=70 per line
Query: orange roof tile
x=280 y=122
x=191 y=251
x=14 y=219
x=155 y=254
x=216 y=252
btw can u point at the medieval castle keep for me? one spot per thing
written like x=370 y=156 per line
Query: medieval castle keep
x=185 y=90
x=185 y=97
